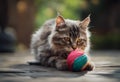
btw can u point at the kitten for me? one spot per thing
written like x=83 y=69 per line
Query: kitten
x=52 y=43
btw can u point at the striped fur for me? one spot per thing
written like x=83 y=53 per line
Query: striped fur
x=52 y=43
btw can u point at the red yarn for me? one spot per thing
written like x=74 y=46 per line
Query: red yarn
x=72 y=56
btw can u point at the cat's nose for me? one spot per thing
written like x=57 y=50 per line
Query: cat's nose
x=74 y=46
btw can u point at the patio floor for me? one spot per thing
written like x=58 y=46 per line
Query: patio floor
x=14 y=68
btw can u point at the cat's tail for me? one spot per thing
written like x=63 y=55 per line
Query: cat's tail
x=33 y=51
x=33 y=45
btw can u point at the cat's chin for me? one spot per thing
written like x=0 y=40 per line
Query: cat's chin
x=69 y=49
x=61 y=49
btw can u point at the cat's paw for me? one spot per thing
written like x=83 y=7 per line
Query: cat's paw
x=61 y=65
x=90 y=67
x=52 y=61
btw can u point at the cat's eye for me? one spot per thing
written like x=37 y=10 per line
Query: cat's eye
x=79 y=41
x=66 y=39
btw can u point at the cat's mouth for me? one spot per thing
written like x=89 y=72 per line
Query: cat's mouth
x=71 y=49
x=65 y=49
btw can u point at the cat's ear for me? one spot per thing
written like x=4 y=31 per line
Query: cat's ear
x=84 y=24
x=60 y=21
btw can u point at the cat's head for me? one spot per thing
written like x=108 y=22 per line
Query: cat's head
x=69 y=35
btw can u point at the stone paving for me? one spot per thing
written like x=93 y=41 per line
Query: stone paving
x=14 y=68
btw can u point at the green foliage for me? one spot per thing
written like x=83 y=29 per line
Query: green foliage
x=47 y=9
x=73 y=9
x=109 y=41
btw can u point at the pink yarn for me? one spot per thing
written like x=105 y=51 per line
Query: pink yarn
x=72 y=56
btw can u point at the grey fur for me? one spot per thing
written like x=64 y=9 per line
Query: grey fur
x=49 y=48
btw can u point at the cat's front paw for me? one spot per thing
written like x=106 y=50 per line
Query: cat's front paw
x=61 y=65
x=52 y=61
x=90 y=66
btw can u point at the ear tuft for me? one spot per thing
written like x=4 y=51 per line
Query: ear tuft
x=85 y=22
x=60 y=21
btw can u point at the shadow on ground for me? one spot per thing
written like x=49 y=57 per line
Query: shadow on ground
x=14 y=68
x=41 y=71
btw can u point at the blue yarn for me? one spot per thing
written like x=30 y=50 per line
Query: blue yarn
x=79 y=62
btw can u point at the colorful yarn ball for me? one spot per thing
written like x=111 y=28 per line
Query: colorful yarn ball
x=77 y=60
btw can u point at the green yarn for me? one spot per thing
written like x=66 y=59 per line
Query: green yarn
x=79 y=63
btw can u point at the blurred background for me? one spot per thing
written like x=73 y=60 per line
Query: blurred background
x=20 y=18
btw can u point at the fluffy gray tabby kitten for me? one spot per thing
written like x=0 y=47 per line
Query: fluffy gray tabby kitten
x=52 y=43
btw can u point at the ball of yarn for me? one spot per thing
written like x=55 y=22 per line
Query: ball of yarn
x=77 y=60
